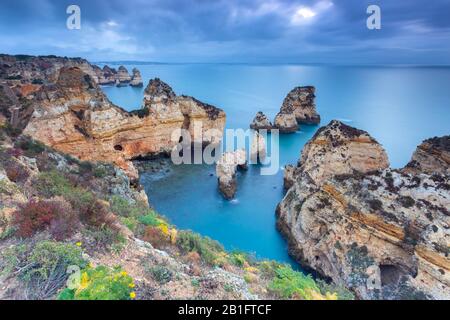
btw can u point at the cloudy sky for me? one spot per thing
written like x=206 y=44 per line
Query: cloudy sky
x=258 y=31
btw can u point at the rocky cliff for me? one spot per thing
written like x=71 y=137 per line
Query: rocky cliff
x=37 y=70
x=73 y=115
x=382 y=233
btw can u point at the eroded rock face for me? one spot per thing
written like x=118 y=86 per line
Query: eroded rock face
x=226 y=169
x=75 y=117
x=432 y=156
x=123 y=76
x=380 y=232
x=136 y=79
x=107 y=76
x=286 y=123
x=301 y=102
x=261 y=122
x=340 y=149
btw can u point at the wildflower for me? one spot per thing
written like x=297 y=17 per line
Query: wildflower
x=132 y=295
x=124 y=273
x=132 y=285
x=79 y=244
x=164 y=228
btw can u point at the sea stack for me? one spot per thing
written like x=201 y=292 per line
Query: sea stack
x=301 y=102
x=123 y=77
x=261 y=122
x=136 y=79
x=380 y=232
x=286 y=123
x=226 y=169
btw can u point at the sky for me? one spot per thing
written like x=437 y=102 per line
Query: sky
x=231 y=31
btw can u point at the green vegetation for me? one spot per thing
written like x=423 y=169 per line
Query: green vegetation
x=42 y=268
x=209 y=250
x=290 y=284
x=161 y=274
x=101 y=283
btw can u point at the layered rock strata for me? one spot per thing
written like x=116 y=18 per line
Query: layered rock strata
x=432 y=156
x=383 y=233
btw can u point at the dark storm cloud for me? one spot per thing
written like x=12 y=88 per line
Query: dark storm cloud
x=331 y=31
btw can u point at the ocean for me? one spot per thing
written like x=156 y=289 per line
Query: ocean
x=399 y=106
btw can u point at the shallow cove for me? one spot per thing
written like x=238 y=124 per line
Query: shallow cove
x=399 y=106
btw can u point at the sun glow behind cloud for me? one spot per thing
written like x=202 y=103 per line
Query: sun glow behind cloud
x=304 y=14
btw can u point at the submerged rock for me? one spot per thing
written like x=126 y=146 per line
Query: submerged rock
x=286 y=123
x=226 y=169
x=301 y=103
x=380 y=232
x=261 y=122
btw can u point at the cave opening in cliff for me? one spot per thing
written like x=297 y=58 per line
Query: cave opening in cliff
x=390 y=274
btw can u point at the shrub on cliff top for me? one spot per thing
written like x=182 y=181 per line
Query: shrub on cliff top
x=290 y=284
x=38 y=215
x=101 y=283
x=42 y=268
x=30 y=147
x=208 y=249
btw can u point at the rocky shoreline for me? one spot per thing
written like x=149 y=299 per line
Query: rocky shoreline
x=380 y=232
x=70 y=113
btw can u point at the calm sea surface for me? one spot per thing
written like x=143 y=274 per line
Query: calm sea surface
x=399 y=106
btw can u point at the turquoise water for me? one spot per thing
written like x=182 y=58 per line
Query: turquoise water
x=399 y=106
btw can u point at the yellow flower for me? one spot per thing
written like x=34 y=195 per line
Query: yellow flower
x=164 y=228
x=132 y=295
x=251 y=269
x=124 y=273
x=131 y=285
x=78 y=244
x=84 y=281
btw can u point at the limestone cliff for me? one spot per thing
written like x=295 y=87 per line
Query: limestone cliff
x=73 y=115
x=382 y=233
